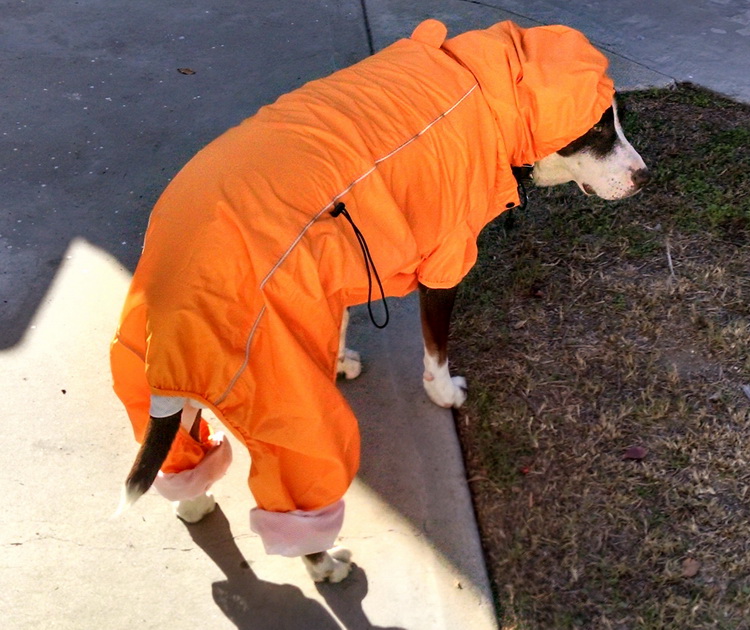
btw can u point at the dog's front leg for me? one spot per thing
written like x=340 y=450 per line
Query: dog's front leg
x=349 y=363
x=436 y=306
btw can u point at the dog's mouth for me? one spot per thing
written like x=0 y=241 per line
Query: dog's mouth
x=587 y=190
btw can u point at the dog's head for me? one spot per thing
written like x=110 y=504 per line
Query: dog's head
x=602 y=162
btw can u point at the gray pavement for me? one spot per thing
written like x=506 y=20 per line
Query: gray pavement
x=94 y=120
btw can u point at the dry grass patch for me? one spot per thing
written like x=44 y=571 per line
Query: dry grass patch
x=607 y=435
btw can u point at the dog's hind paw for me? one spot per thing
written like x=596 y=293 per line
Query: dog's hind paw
x=332 y=565
x=193 y=510
x=349 y=364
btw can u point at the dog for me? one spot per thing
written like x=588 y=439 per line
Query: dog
x=381 y=175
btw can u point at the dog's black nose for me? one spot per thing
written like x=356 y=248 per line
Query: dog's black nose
x=641 y=177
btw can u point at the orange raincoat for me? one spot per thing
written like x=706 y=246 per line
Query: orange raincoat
x=238 y=298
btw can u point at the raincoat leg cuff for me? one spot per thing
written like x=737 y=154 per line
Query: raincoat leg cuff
x=189 y=484
x=298 y=533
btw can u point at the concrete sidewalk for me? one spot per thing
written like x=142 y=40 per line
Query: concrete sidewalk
x=99 y=120
x=95 y=119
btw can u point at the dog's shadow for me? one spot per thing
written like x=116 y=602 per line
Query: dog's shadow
x=254 y=604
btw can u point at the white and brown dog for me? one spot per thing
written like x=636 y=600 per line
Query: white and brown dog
x=601 y=161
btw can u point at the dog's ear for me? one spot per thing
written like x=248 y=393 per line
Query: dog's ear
x=430 y=32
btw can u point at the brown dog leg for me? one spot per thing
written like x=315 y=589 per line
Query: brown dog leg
x=436 y=306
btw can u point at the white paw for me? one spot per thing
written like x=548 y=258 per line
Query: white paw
x=445 y=391
x=193 y=510
x=349 y=364
x=334 y=565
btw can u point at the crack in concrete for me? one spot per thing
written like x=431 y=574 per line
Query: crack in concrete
x=501 y=9
x=368 y=30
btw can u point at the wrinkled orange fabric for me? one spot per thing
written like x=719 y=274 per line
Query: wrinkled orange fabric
x=238 y=298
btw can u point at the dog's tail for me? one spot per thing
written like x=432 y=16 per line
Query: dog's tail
x=160 y=434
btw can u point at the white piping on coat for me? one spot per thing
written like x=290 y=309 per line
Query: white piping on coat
x=312 y=221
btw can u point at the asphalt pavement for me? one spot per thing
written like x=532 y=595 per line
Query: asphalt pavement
x=94 y=120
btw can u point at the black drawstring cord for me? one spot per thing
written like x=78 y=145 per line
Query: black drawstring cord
x=338 y=209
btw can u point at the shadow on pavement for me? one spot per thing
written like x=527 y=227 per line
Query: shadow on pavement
x=345 y=600
x=254 y=604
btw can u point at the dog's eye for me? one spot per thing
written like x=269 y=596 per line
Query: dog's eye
x=597 y=128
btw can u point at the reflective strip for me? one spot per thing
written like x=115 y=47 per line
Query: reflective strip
x=312 y=221
x=223 y=397
x=367 y=173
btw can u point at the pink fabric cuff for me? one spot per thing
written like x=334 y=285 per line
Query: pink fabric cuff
x=192 y=483
x=298 y=533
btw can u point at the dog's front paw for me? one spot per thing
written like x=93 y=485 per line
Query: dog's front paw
x=445 y=391
x=349 y=364
x=193 y=510
x=332 y=565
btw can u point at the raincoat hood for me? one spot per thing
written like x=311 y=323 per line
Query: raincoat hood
x=546 y=85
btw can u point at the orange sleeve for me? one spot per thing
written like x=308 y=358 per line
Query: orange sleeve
x=450 y=261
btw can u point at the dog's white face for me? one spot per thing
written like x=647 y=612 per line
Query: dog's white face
x=602 y=162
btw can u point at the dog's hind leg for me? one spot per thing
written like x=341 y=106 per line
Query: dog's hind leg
x=332 y=565
x=436 y=306
x=349 y=363
x=193 y=510
x=305 y=452
x=185 y=442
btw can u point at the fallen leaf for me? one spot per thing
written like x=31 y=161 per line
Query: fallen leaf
x=185 y=70
x=690 y=567
x=635 y=452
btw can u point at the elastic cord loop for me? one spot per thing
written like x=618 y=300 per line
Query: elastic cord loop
x=340 y=209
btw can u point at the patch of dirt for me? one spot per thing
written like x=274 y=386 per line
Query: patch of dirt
x=592 y=328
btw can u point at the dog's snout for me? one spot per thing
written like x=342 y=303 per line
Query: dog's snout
x=641 y=177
